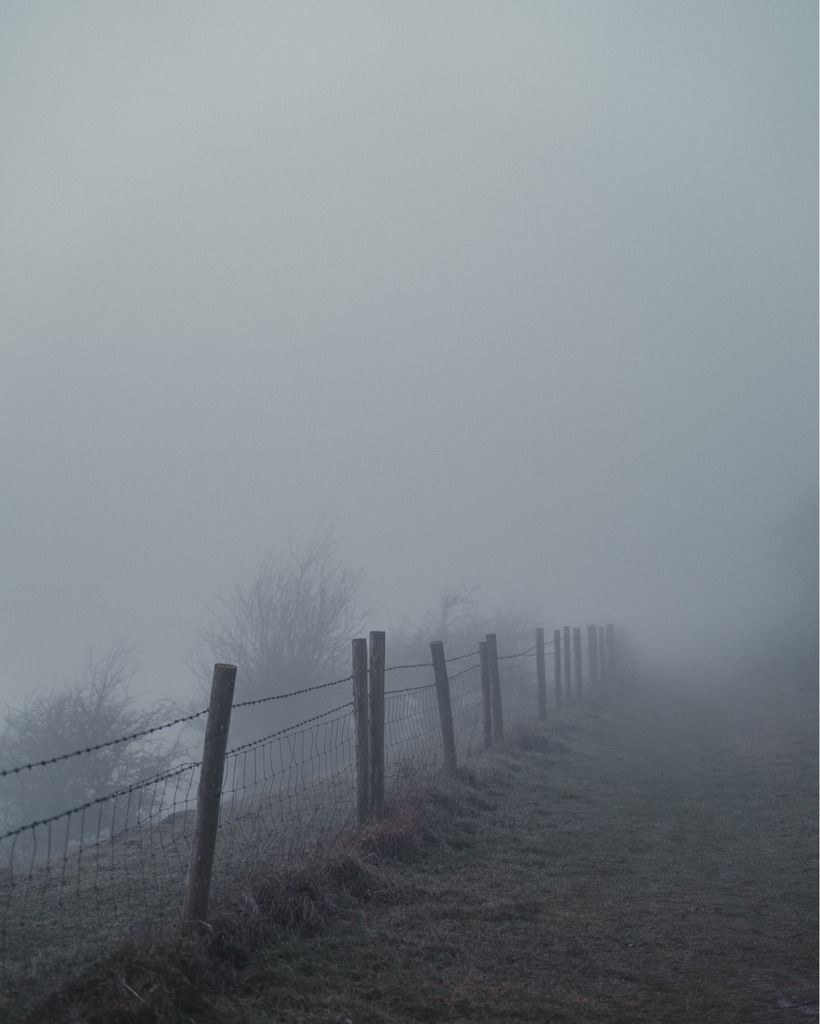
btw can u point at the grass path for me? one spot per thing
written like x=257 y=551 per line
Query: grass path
x=655 y=860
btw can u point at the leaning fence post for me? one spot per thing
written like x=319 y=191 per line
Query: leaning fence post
x=377 y=649
x=592 y=648
x=203 y=845
x=495 y=686
x=445 y=709
x=486 y=693
x=541 y=673
x=360 y=719
x=576 y=657
x=556 y=649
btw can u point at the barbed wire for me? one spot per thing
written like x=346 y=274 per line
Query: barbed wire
x=521 y=654
x=293 y=693
x=290 y=728
x=463 y=672
x=461 y=657
x=102 y=746
x=410 y=689
x=241 y=704
x=281 y=794
x=426 y=664
x=142 y=784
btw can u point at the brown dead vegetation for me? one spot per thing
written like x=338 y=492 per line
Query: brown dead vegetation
x=649 y=861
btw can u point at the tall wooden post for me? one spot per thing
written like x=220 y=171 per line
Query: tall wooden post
x=621 y=640
x=611 y=654
x=592 y=654
x=486 y=693
x=445 y=710
x=602 y=658
x=362 y=727
x=495 y=687
x=567 y=665
x=576 y=657
x=541 y=673
x=209 y=792
x=556 y=653
x=377 y=651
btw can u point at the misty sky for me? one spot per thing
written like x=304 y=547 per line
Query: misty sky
x=515 y=293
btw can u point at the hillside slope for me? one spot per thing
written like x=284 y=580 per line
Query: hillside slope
x=654 y=860
x=651 y=861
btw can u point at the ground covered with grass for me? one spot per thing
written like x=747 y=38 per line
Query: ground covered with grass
x=651 y=859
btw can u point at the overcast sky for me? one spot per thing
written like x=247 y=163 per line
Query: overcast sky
x=516 y=293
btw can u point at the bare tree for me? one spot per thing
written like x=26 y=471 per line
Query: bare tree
x=453 y=619
x=287 y=628
x=94 y=709
x=458 y=620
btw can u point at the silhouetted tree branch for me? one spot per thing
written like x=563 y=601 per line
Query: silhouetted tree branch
x=288 y=627
x=94 y=709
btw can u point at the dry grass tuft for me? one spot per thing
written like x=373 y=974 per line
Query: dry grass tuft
x=653 y=863
x=399 y=834
x=349 y=872
x=181 y=977
x=153 y=981
x=524 y=739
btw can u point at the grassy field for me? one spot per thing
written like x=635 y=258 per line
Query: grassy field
x=653 y=860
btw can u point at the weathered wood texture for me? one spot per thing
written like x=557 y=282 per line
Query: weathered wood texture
x=611 y=654
x=445 y=710
x=362 y=727
x=603 y=666
x=376 y=683
x=556 y=653
x=495 y=686
x=567 y=663
x=577 y=663
x=203 y=844
x=486 y=693
x=541 y=673
x=592 y=657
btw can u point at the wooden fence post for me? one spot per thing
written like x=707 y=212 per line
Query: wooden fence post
x=209 y=792
x=592 y=648
x=556 y=653
x=567 y=665
x=621 y=640
x=576 y=657
x=611 y=655
x=486 y=693
x=541 y=673
x=377 y=652
x=602 y=658
x=495 y=687
x=445 y=709
x=362 y=728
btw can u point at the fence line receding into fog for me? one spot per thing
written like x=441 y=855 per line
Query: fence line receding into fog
x=151 y=855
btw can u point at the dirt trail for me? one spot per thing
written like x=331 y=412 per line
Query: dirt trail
x=654 y=860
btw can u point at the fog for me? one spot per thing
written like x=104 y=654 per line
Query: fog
x=516 y=294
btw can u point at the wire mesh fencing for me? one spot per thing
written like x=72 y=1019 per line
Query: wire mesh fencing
x=518 y=687
x=77 y=881
x=285 y=792
x=411 y=724
x=413 y=741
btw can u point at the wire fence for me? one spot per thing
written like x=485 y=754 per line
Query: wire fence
x=80 y=880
